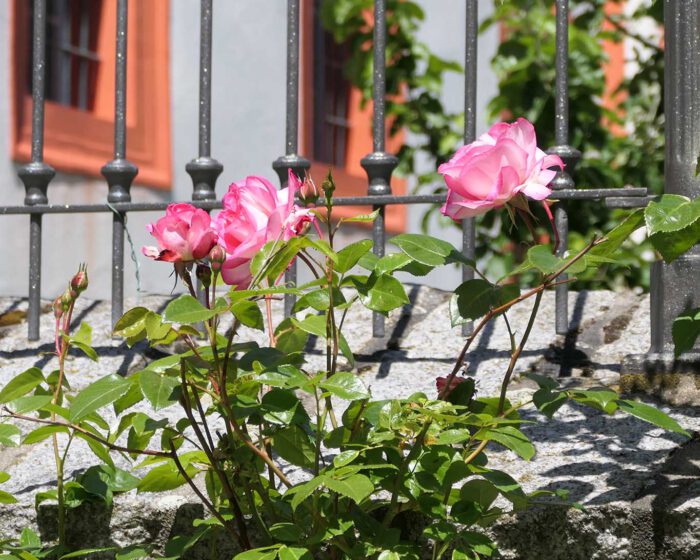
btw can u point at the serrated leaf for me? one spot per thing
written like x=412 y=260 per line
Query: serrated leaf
x=428 y=250
x=21 y=385
x=685 y=331
x=345 y=385
x=164 y=477
x=132 y=322
x=294 y=553
x=350 y=255
x=187 y=310
x=40 y=434
x=357 y=487
x=471 y=300
x=98 y=394
x=30 y=404
x=248 y=313
x=384 y=294
x=161 y=390
x=652 y=415
x=293 y=444
x=673 y=225
x=9 y=435
x=510 y=437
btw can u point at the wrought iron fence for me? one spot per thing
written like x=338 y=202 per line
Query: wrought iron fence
x=683 y=103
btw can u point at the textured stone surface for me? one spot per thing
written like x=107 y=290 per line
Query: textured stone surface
x=639 y=485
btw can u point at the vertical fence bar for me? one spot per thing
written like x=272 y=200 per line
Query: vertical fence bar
x=675 y=287
x=379 y=165
x=470 y=77
x=119 y=172
x=291 y=160
x=569 y=155
x=204 y=170
x=36 y=175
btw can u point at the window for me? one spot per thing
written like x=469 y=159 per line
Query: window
x=80 y=64
x=335 y=130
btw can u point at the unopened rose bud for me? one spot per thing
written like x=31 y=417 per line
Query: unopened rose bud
x=57 y=308
x=308 y=191
x=80 y=281
x=217 y=256
x=67 y=299
x=204 y=275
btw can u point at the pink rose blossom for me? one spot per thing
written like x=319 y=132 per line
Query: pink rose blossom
x=490 y=171
x=254 y=213
x=184 y=234
x=440 y=383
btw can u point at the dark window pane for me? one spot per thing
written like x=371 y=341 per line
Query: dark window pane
x=331 y=97
x=71 y=51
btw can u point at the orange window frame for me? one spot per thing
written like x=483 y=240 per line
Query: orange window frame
x=351 y=179
x=81 y=142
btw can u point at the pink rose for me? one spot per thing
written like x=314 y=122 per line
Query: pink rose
x=490 y=171
x=440 y=383
x=184 y=234
x=254 y=213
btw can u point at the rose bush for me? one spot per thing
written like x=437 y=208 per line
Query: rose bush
x=249 y=411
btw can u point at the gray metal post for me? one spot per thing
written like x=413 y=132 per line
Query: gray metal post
x=37 y=174
x=379 y=165
x=119 y=172
x=204 y=170
x=676 y=287
x=568 y=154
x=470 y=77
x=291 y=160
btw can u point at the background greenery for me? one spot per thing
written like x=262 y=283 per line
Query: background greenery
x=620 y=147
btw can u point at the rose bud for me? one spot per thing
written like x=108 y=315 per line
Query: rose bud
x=67 y=299
x=57 y=308
x=204 y=275
x=440 y=383
x=308 y=191
x=217 y=256
x=79 y=283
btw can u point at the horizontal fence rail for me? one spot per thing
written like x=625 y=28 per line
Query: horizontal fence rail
x=204 y=169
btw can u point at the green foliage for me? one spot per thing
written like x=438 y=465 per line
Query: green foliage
x=247 y=412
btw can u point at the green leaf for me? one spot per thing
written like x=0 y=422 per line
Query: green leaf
x=685 y=331
x=361 y=218
x=316 y=325
x=9 y=435
x=266 y=553
x=510 y=437
x=479 y=491
x=383 y=294
x=86 y=552
x=23 y=405
x=600 y=399
x=82 y=339
x=287 y=532
x=302 y=491
x=357 y=487
x=392 y=262
x=161 y=390
x=471 y=300
x=345 y=385
x=21 y=385
x=248 y=313
x=132 y=322
x=652 y=415
x=187 y=310
x=673 y=225
x=548 y=401
x=164 y=477
x=98 y=394
x=294 y=445
x=541 y=258
x=428 y=250
x=133 y=552
x=294 y=553
x=40 y=434
x=7 y=498
x=616 y=236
